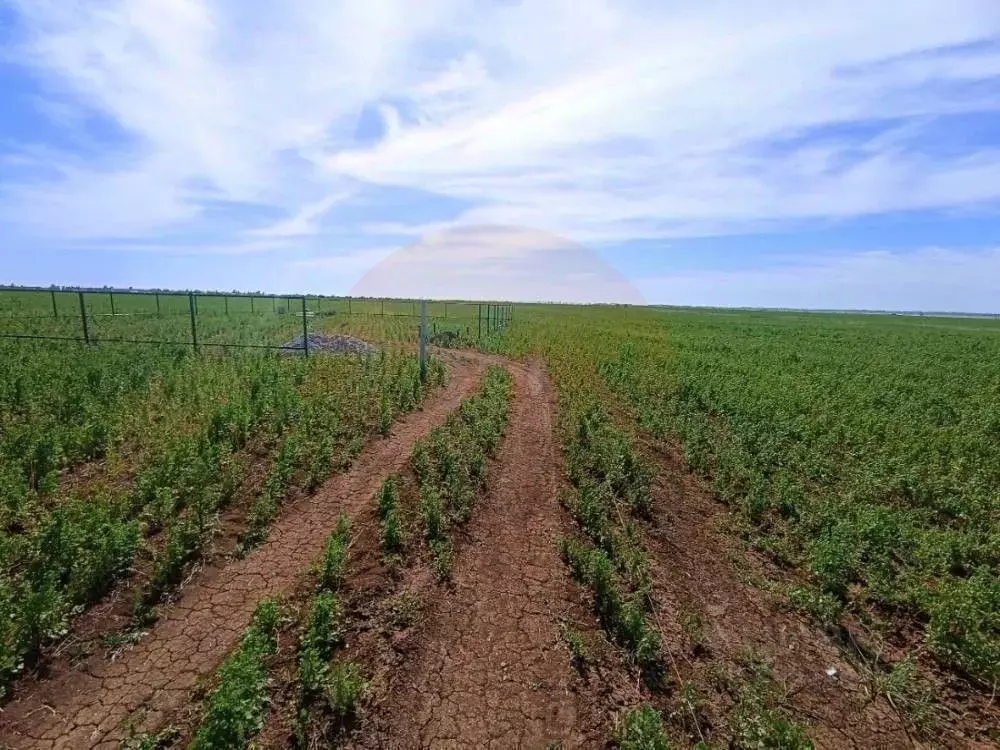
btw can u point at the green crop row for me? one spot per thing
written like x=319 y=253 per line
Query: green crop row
x=189 y=450
x=611 y=480
x=237 y=706
x=450 y=464
x=863 y=450
x=327 y=687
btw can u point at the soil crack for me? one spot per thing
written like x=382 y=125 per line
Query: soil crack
x=85 y=707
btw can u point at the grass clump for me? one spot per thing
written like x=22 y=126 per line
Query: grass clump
x=345 y=687
x=902 y=687
x=641 y=729
x=236 y=707
x=387 y=502
x=579 y=652
x=334 y=567
x=759 y=720
x=323 y=633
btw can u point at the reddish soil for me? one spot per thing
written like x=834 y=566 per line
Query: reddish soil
x=86 y=705
x=692 y=560
x=487 y=667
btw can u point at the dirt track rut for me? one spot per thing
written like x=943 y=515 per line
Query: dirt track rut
x=490 y=670
x=85 y=707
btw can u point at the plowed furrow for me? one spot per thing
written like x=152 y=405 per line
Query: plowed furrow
x=490 y=670
x=85 y=707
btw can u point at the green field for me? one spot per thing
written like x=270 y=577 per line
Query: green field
x=858 y=455
x=172 y=438
x=863 y=450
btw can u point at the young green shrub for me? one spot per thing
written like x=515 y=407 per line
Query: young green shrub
x=431 y=513
x=576 y=555
x=334 y=569
x=758 y=719
x=386 y=500
x=390 y=533
x=641 y=729
x=388 y=495
x=182 y=547
x=345 y=687
x=442 y=559
x=579 y=653
x=324 y=631
x=237 y=706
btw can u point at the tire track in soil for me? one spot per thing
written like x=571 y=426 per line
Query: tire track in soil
x=692 y=571
x=85 y=707
x=489 y=669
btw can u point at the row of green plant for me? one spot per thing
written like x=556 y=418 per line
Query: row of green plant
x=862 y=450
x=329 y=690
x=189 y=468
x=611 y=480
x=450 y=464
x=80 y=541
x=237 y=706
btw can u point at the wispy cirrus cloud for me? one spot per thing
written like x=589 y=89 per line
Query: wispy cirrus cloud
x=218 y=126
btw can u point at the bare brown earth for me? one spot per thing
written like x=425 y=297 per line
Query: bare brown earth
x=85 y=706
x=488 y=668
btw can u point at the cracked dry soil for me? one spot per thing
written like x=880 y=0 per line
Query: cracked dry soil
x=84 y=707
x=489 y=670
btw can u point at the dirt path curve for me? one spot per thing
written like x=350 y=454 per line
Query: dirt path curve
x=490 y=670
x=84 y=708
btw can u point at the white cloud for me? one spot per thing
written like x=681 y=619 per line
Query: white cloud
x=937 y=279
x=601 y=121
x=305 y=223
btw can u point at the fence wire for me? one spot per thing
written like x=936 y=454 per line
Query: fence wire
x=234 y=320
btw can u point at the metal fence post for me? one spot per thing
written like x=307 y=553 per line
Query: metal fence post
x=157 y=303
x=194 y=327
x=83 y=317
x=305 y=329
x=348 y=306
x=55 y=312
x=480 y=320
x=111 y=296
x=225 y=297
x=423 y=340
x=251 y=303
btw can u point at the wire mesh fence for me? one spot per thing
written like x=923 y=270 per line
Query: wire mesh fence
x=256 y=321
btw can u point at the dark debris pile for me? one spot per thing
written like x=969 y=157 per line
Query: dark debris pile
x=335 y=343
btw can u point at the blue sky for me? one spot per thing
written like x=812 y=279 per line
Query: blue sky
x=719 y=152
